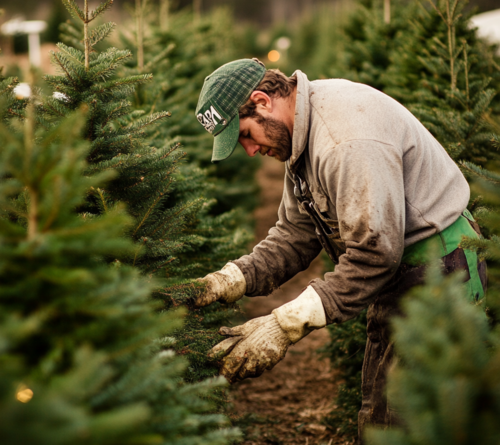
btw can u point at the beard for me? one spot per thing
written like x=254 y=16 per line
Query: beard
x=280 y=139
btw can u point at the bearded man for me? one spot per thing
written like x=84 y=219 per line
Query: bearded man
x=365 y=181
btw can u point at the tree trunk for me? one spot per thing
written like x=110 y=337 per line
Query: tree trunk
x=164 y=14
x=387 y=11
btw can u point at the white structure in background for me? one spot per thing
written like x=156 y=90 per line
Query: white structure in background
x=488 y=25
x=32 y=28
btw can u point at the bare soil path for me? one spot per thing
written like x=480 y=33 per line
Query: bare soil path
x=285 y=405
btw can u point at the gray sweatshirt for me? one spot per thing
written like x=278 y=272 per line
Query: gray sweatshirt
x=377 y=174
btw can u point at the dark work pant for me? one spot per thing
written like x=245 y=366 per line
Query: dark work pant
x=379 y=347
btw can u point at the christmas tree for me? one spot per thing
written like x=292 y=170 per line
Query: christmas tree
x=445 y=385
x=371 y=34
x=84 y=352
x=316 y=41
x=180 y=56
x=448 y=78
x=175 y=236
x=428 y=57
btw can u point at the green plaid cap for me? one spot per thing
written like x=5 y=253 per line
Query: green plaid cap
x=222 y=95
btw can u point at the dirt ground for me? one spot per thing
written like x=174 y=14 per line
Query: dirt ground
x=285 y=405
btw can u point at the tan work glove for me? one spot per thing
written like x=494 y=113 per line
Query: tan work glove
x=261 y=343
x=227 y=285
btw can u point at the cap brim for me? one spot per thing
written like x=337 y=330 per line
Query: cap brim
x=225 y=142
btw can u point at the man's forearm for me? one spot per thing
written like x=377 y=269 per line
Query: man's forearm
x=275 y=260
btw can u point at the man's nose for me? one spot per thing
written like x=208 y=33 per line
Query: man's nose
x=251 y=149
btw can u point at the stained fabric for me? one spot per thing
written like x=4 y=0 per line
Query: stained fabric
x=377 y=176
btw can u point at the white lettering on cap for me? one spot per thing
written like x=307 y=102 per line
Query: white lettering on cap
x=208 y=120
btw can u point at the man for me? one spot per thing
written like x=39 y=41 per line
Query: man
x=366 y=181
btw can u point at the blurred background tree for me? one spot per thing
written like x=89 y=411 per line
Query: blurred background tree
x=84 y=352
x=176 y=235
x=436 y=65
x=207 y=208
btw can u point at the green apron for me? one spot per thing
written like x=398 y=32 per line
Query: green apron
x=448 y=240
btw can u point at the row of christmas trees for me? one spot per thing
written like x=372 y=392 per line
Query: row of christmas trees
x=426 y=55
x=104 y=224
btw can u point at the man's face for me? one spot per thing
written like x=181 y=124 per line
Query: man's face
x=265 y=135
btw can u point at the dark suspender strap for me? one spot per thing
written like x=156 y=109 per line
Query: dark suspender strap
x=306 y=200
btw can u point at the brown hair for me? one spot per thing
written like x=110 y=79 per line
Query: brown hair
x=274 y=84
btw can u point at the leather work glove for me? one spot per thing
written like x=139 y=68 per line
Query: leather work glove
x=227 y=285
x=261 y=343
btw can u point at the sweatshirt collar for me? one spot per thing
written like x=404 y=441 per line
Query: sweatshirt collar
x=301 y=123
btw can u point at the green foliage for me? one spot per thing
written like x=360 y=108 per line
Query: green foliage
x=448 y=78
x=180 y=57
x=370 y=42
x=176 y=233
x=14 y=107
x=57 y=16
x=430 y=59
x=317 y=42
x=84 y=353
x=445 y=384
x=346 y=352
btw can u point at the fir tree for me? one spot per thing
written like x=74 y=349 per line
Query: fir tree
x=445 y=384
x=317 y=42
x=370 y=40
x=175 y=239
x=180 y=57
x=448 y=78
x=431 y=60
x=84 y=353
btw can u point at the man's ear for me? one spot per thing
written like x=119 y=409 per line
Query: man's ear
x=262 y=100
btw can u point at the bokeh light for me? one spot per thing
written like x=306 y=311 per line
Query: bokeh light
x=273 y=56
x=24 y=394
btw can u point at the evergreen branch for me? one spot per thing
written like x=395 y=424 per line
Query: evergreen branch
x=101 y=32
x=166 y=262
x=72 y=53
x=74 y=10
x=155 y=60
x=55 y=57
x=10 y=83
x=114 y=85
x=153 y=205
x=431 y=2
x=103 y=7
x=179 y=211
x=71 y=29
x=143 y=123
x=58 y=82
x=108 y=61
x=103 y=201
x=139 y=248
x=481 y=172
x=123 y=105
x=50 y=105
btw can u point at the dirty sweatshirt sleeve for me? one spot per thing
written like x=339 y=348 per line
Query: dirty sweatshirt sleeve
x=364 y=180
x=289 y=248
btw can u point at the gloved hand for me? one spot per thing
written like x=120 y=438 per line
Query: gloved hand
x=253 y=347
x=262 y=342
x=227 y=285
